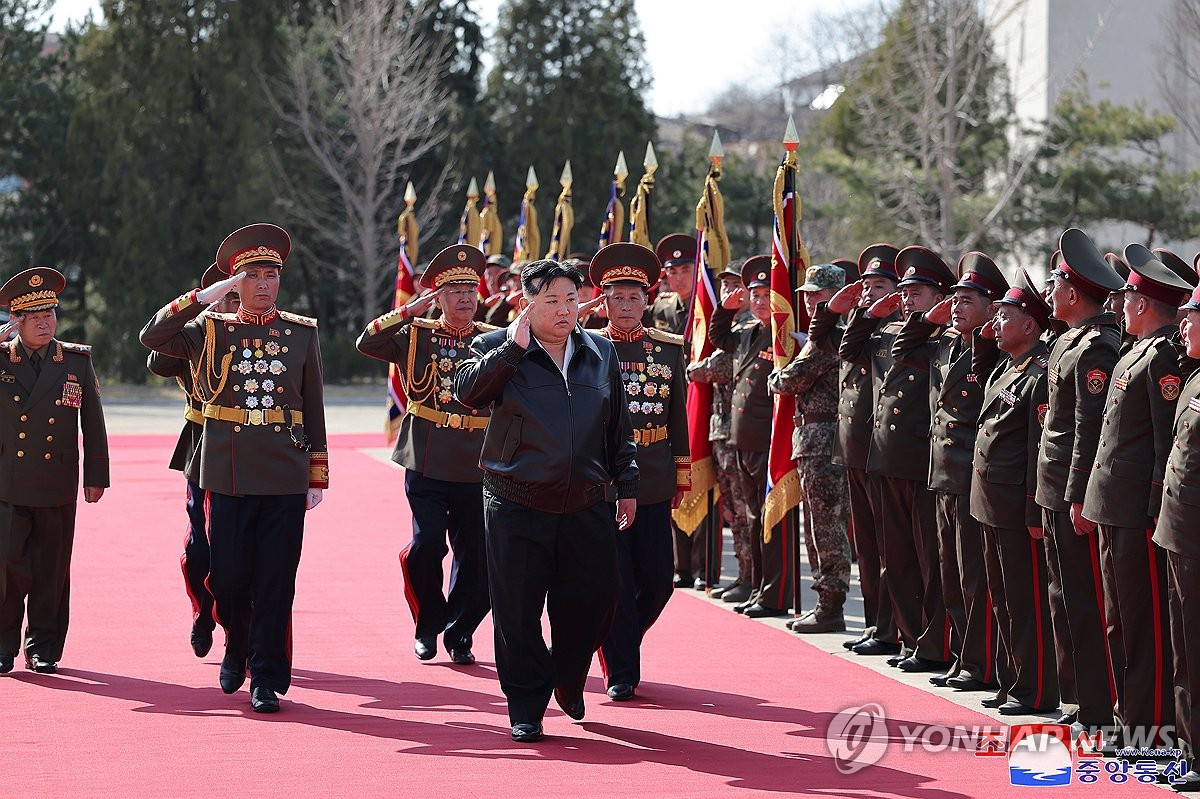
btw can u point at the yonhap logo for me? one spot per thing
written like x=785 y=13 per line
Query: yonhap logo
x=857 y=737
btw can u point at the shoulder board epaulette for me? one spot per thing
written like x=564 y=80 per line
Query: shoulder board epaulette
x=1043 y=360
x=70 y=346
x=948 y=332
x=483 y=327
x=663 y=336
x=428 y=324
x=307 y=321
x=893 y=327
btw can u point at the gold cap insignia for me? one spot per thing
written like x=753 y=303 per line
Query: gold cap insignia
x=912 y=270
x=35 y=281
x=677 y=254
x=462 y=256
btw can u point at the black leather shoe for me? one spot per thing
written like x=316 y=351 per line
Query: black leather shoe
x=965 y=682
x=527 y=733
x=718 y=593
x=233 y=673
x=1014 y=708
x=1190 y=784
x=201 y=641
x=994 y=701
x=462 y=656
x=571 y=705
x=940 y=680
x=263 y=700
x=425 y=648
x=6 y=664
x=760 y=611
x=873 y=646
x=1068 y=718
x=914 y=665
x=853 y=642
x=741 y=606
x=791 y=623
x=699 y=584
x=36 y=664
x=621 y=692
x=683 y=582
x=736 y=593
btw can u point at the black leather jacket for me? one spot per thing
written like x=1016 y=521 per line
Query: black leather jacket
x=554 y=445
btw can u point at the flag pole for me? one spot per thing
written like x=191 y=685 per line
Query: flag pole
x=714 y=527
x=791 y=141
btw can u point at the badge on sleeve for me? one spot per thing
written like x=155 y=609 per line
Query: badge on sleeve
x=1096 y=380
x=1041 y=412
x=1169 y=387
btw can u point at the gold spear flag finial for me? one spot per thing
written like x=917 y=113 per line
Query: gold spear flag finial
x=564 y=218
x=407 y=229
x=410 y=195
x=469 y=229
x=621 y=171
x=531 y=179
x=716 y=151
x=491 y=239
x=790 y=137
x=639 y=206
x=650 y=162
x=529 y=240
x=613 y=225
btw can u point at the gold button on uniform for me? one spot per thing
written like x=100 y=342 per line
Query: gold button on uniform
x=49 y=438
x=17 y=398
x=20 y=453
x=20 y=435
x=24 y=418
x=50 y=420
x=47 y=456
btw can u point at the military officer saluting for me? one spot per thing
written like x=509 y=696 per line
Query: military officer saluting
x=195 y=547
x=48 y=393
x=438 y=446
x=1080 y=367
x=677 y=254
x=1124 y=492
x=263 y=456
x=1004 y=467
x=652 y=368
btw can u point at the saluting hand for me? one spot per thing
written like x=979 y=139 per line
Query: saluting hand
x=885 y=306
x=735 y=299
x=492 y=300
x=989 y=330
x=8 y=327
x=846 y=298
x=421 y=303
x=219 y=289
x=518 y=331
x=590 y=307
x=940 y=313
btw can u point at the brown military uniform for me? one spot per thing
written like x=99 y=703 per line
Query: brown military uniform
x=1004 y=469
x=905 y=510
x=42 y=413
x=1080 y=366
x=668 y=313
x=438 y=444
x=956 y=394
x=1176 y=532
x=1123 y=496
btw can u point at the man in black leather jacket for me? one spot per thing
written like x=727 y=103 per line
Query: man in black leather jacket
x=557 y=453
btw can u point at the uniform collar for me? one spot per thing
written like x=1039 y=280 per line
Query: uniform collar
x=251 y=318
x=616 y=334
x=457 y=332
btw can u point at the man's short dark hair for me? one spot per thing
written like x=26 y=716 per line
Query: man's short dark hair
x=539 y=274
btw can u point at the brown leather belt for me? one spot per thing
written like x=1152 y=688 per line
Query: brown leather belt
x=814 y=418
x=193 y=415
x=455 y=421
x=650 y=435
x=255 y=416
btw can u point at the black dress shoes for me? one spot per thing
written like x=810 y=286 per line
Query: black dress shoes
x=873 y=646
x=683 y=582
x=527 y=733
x=425 y=648
x=741 y=606
x=263 y=700
x=1068 y=718
x=461 y=656
x=994 y=701
x=965 y=682
x=699 y=584
x=621 y=692
x=35 y=663
x=6 y=664
x=571 y=705
x=940 y=680
x=201 y=641
x=233 y=673
x=914 y=665
x=736 y=593
x=760 y=611
x=1014 y=708
x=853 y=642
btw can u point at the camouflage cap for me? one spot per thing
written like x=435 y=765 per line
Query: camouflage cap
x=823 y=276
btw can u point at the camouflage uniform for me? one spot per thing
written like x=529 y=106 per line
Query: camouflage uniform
x=717 y=369
x=813 y=378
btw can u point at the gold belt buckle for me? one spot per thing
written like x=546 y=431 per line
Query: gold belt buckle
x=255 y=417
x=454 y=420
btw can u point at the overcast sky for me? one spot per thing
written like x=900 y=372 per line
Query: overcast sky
x=695 y=48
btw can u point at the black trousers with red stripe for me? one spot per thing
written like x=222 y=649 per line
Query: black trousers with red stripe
x=255 y=546
x=877 y=605
x=441 y=510
x=1112 y=617
x=195 y=560
x=906 y=515
x=1022 y=611
x=644 y=559
x=1077 y=615
x=964 y=587
x=1183 y=582
x=1140 y=571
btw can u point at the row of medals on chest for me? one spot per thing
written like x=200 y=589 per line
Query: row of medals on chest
x=255 y=366
x=640 y=380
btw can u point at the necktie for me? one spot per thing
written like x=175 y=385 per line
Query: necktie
x=36 y=360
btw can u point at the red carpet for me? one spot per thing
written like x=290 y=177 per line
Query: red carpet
x=730 y=707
